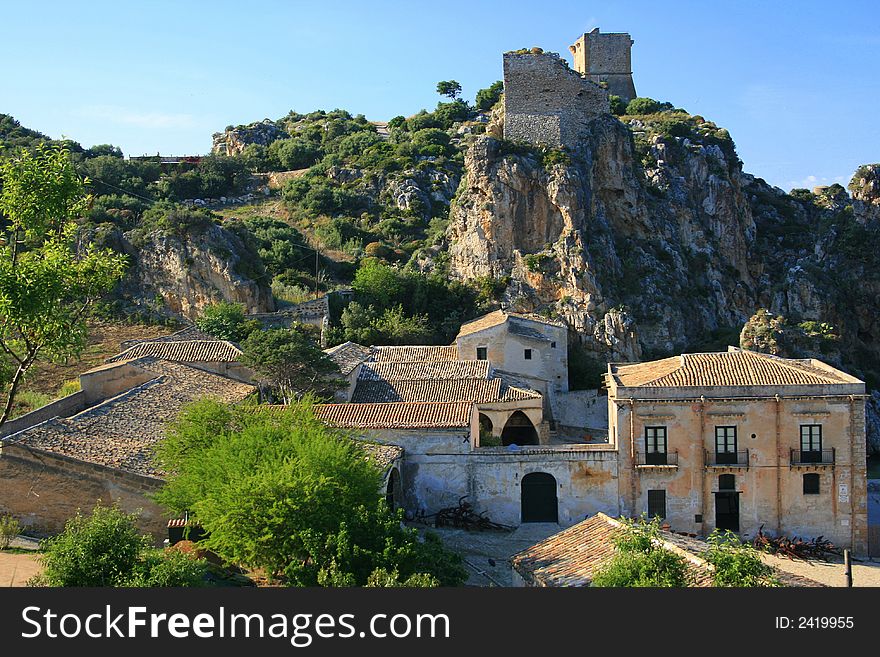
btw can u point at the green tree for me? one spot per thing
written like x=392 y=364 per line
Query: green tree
x=47 y=282
x=290 y=363
x=486 y=98
x=736 y=563
x=449 y=88
x=641 y=560
x=279 y=490
x=226 y=321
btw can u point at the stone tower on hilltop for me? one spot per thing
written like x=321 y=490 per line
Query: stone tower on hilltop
x=606 y=58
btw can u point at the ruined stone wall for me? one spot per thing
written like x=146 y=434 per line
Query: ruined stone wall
x=606 y=58
x=546 y=102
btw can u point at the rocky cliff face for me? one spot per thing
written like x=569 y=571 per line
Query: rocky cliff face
x=636 y=258
x=233 y=141
x=182 y=272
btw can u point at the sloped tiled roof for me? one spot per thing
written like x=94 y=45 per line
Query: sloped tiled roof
x=348 y=356
x=499 y=317
x=573 y=556
x=730 y=368
x=400 y=415
x=441 y=390
x=188 y=351
x=415 y=353
x=430 y=370
x=121 y=432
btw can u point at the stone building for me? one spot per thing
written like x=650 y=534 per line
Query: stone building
x=546 y=102
x=606 y=58
x=741 y=440
x=103 y=451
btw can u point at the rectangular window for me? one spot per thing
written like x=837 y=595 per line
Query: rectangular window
x=655 y=445
x=527 y=354
x=656 y=503
x=811 y=443
x=725 y=445
x=481 y=353
x=811 y=484
x=553 y=345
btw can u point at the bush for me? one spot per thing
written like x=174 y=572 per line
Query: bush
x=101 y=549
x=640 y=561
x=618 y=105
x=736 y=563
x=168 y=568
x=225 y=321
x=643 y=106
x=69 y=387
x=9 y=530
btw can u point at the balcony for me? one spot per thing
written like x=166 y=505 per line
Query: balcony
x=727 y=459
x=815 y=458
x=657 y=460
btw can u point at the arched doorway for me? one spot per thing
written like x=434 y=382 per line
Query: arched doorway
x=519 y=430
x=392 y=493
x=539 y=502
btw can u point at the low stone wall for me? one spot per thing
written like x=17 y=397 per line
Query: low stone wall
x=44 y=490
x=64 y=407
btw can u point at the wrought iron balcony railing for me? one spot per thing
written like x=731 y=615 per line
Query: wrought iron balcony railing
x=656 y=459
x=812 y=457
x=727 y=459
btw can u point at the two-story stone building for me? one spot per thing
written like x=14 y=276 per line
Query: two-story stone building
x=742 y=440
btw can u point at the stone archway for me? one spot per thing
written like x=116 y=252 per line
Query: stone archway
x=519 y=430
x=538 y=498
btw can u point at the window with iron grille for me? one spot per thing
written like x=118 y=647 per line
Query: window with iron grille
x=725 y=444
x=727 y=482
x=811 y=484
x=655 y=445
x=811 y=443
x=656 y=503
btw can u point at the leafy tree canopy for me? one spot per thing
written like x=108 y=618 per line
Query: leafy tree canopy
x=279 y=490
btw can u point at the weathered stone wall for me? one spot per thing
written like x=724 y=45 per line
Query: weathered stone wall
x=44 y=490
x=545 y=102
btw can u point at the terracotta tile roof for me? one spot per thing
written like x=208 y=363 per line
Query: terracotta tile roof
x=348 y=356
x=426 y=370
x=730 y=368
x=499 y=317
x=121 y=432
x=441 y=390
x=400 y=415
x=415 y=353
x=573 y=556
x=189 y=351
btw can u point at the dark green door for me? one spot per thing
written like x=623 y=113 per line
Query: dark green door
x=539 y=503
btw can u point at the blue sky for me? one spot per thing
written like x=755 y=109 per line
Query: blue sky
x=796 y=83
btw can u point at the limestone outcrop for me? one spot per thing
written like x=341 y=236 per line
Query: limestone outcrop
x=234 y=140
